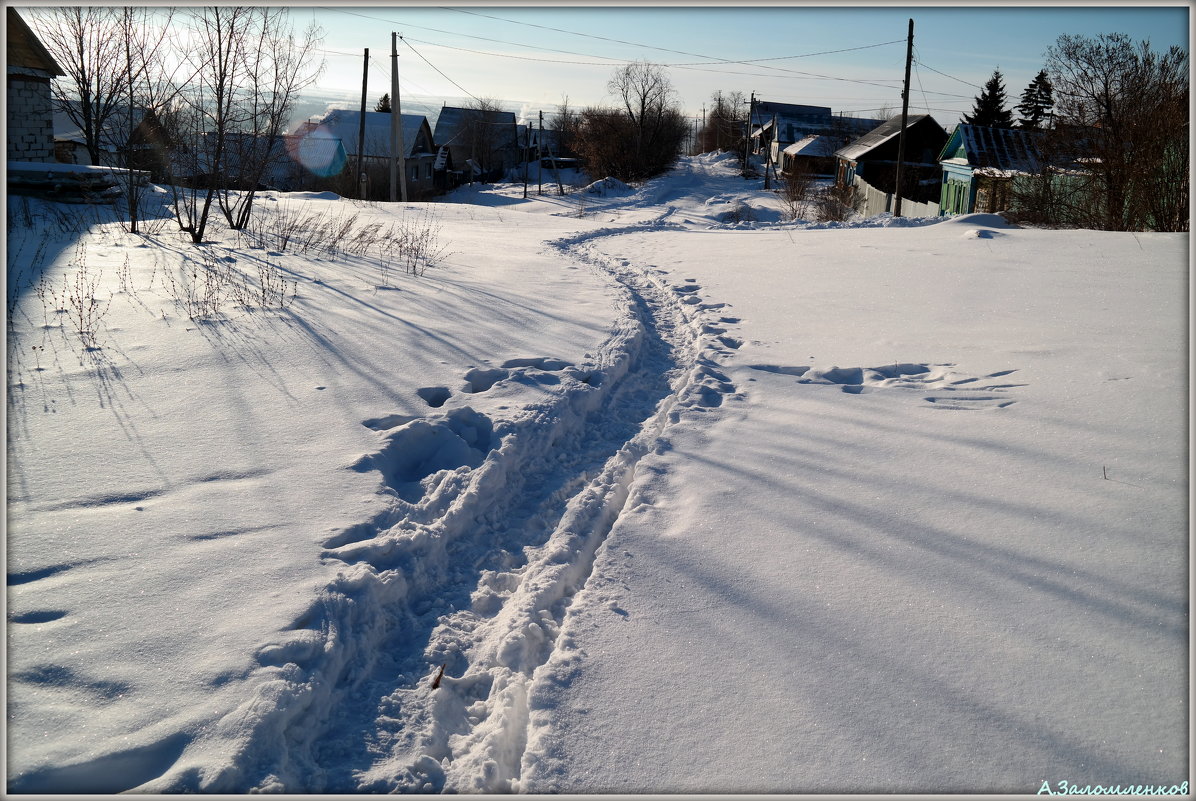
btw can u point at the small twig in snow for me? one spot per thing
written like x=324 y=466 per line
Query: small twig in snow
x=439 y=676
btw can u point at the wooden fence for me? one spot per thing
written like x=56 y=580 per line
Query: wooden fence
x=873 y=202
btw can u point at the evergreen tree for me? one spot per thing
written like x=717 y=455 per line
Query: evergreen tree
x=383 y=104
x=1037 y=103
x=990 y=110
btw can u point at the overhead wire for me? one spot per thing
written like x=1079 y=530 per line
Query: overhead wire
x=609 y=61
x=713 y=61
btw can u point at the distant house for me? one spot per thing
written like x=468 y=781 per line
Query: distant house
x=483 y=143
x=873 y=158
x=31 y=68
x=979 y=166
x=813 y=154
x=776 y=126
x=419 y=153
x=307 y=162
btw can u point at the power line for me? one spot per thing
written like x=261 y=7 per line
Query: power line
x=945 y=75
x=433 y=66
x=707 y=68
x=667 y=50
x=466 y=35
x=610 y=61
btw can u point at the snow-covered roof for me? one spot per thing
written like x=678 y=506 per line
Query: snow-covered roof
x=812 y=146
x=344 y=124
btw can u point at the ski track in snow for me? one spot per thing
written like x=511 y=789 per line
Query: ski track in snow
x=492 y=527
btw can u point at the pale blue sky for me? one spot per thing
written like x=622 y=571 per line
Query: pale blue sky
x=509 y=53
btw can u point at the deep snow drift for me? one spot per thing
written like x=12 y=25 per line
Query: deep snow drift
x=635 y=492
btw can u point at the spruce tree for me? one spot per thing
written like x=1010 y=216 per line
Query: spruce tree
x=1037 y=103
x=990 y=110
x=383 y=104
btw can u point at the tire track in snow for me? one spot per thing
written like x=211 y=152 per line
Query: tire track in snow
x=471 y=567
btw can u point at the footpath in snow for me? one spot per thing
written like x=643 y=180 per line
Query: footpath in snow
x=645 y=490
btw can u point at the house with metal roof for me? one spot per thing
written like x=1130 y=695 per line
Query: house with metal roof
x=873 y=158
x=979 y=165
x=776 y=126
x=419 y=153
x=483 y=142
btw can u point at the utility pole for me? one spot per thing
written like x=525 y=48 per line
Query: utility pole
x=560 y=187
x=768 y=161
x=396 y=109
x=527 y=153
x=909 y=57
x=398 y=162
x=747 y=139
x=365 y=74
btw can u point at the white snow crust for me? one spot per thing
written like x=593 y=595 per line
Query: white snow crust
x=640 y=491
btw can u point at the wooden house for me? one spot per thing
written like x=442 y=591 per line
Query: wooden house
x=419 y=153
x=483 y=143
x=814 y=155
x=873 y=158
x=30 y=116
x=980 y=164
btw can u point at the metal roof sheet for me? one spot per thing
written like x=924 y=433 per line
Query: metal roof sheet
x=999 y=149
x=878 y=136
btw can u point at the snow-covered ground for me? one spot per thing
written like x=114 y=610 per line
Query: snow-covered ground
x=641 y=490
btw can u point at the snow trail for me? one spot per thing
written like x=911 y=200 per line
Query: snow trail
x=463 y=580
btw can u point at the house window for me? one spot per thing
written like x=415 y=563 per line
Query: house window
x=415 y=172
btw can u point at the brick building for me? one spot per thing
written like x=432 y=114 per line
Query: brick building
x=31 y=68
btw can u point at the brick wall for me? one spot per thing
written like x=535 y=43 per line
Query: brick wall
x=30 y=119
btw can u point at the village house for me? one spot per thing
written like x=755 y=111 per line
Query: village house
x=420 y=156
x=776 y=126
x=484 y=144
x=873 y=158
x=814 y=155
x=979 y=167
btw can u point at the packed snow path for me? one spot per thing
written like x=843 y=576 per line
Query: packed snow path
x=464 y=581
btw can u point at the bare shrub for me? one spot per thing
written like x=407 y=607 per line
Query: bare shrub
x=836 y=204
x=84 y=309
x=795 y=190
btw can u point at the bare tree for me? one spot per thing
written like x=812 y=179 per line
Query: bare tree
x=647 y=95
x=566 y=125
x=147 y=88
x=1118 y=156
x=726 y=122
x=86 y=43
x=275 y=69
x=248 y=72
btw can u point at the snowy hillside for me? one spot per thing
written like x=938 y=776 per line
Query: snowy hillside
x=632 y=490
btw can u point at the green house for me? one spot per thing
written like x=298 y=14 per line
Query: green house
x=979 y=165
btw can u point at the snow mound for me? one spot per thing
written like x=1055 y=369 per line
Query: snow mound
x=985 y=220
x=608 y=187
x=313 y=196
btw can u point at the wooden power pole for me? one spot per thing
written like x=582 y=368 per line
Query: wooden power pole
x=398 y=163
x=365 y=74
x=909 y=57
